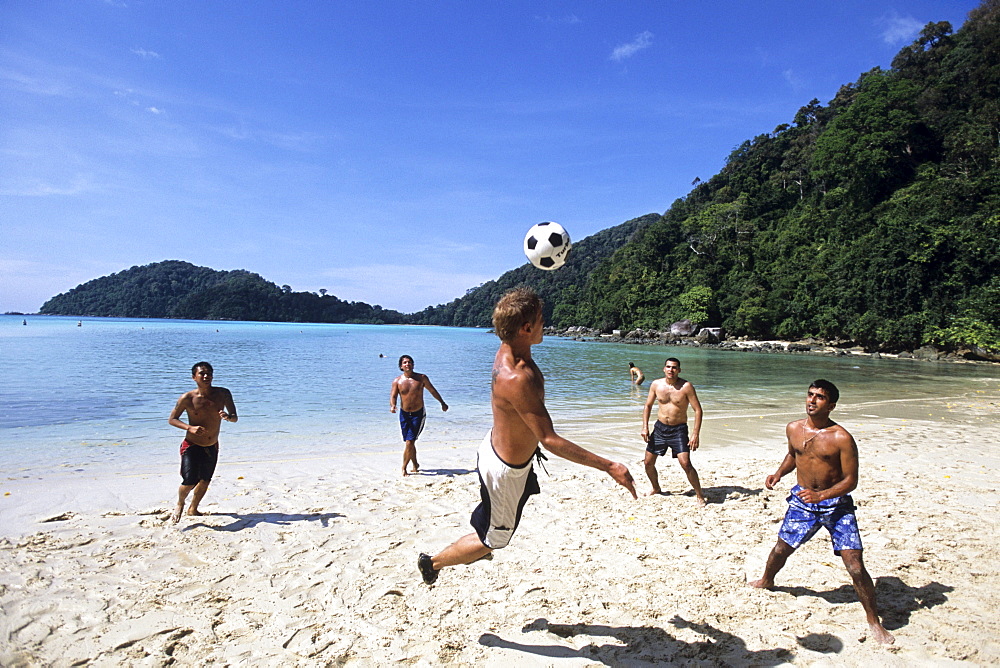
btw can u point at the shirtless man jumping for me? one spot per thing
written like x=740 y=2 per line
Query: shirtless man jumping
x=674 y=395
x=825 y=458
x=520 y=423
x=206 y=408
x=410 y=389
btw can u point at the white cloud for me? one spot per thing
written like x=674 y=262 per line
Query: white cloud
x=900 y=28
x=643 y=40
x=143 y=53
x=154 y=110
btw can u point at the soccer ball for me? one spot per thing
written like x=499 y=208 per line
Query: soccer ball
x=547 y=245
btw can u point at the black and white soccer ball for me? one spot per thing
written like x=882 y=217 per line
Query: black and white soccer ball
x=547 y=245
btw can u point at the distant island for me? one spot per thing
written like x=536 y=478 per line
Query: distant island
x=177 y=289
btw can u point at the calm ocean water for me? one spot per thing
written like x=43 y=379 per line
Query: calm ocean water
x=92 y=396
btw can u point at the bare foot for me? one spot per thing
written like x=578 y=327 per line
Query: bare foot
x=880 y=634
x=176 y=517
x=405 y=473
x=654 y=492
x=194 y=512
x=702 y=502
x=761 y=584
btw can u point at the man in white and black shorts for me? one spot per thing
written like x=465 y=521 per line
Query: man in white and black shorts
x=504 y=489
x=520 y=423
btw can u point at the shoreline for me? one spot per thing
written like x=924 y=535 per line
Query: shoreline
x=779 y=346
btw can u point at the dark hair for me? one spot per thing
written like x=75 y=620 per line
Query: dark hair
x=400 y=362
x=672 y=359
x=832 y=393
x=208 y=366
x=630 y=365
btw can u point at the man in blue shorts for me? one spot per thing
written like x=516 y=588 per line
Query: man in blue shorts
x=409 y=388
x=825 y=458
x=674 y=395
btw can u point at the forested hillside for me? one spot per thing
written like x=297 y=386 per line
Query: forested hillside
x=875 y=218
x=174 y=289
x=562 y=286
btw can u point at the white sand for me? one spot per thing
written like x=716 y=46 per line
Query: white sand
x=312 y=562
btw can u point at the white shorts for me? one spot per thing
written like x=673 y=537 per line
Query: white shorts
x=504 y=490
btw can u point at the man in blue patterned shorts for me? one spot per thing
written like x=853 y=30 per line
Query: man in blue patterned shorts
x=825 y=458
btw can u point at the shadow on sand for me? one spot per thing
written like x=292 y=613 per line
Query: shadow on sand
x=644 y=645
x=718 y=495
x=896 y=599
x=249 y=520
x=724 y=493
x=450 y=473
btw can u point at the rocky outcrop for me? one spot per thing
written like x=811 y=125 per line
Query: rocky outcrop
x=682 y=328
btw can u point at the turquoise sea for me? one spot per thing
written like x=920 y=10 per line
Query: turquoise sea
x=93 y=394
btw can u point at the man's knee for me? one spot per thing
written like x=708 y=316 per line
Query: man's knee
x=783 y=549
x=854 y=563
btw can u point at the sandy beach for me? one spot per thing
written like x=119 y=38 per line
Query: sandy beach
x=312 y=562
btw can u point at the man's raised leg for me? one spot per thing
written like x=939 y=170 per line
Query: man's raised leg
x=465 y=550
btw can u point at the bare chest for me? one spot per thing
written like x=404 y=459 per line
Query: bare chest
x=408 y=385
x=201 y=405
x=669 y=395
x=817 y=447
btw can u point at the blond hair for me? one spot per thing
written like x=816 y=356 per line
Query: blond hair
x=516 y=308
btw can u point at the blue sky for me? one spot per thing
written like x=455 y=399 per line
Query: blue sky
x=391 y=152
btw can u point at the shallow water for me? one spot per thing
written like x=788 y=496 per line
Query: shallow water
x=96 y=396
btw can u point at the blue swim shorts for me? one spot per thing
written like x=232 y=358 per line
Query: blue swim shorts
x=664 y=436
x=411 y=424
x=803 y=520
